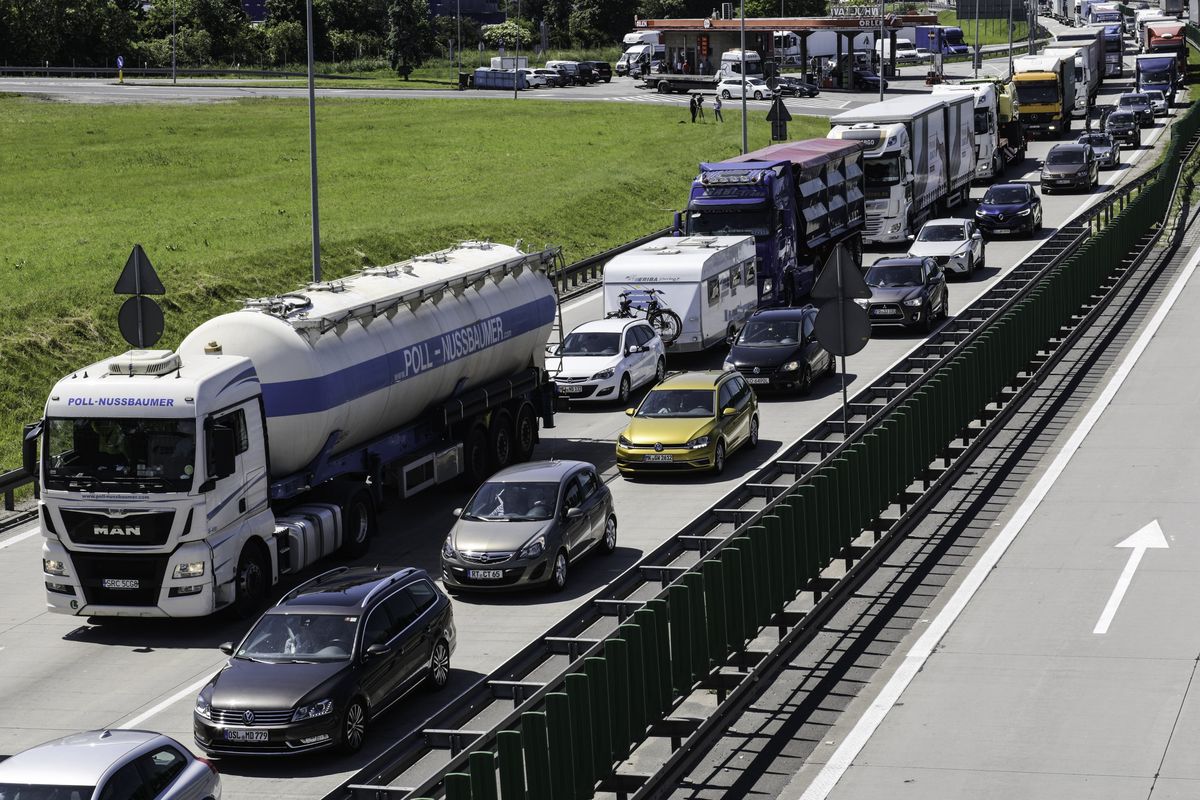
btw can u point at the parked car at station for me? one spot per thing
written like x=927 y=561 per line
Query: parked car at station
x=690 y=422
x=778 y=349
x=329 y=658
x=109 y=765
x=602 y=69
x=535 y=79
x=755 y=87
x=606 y=359
x=906 y=291
x=527 y=525
x=792 y=86
x=1106 y=148
x=1009 y=208
x=1124 y=127
x=572 y=69
x=956 y=244
x=1070 y=166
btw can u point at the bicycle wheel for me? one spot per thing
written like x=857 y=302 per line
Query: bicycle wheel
x=667 y=323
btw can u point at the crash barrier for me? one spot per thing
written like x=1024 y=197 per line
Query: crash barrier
x=162 y=72
x=568 y=737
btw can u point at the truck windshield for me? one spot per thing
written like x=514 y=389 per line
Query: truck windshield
x=1037 y=92
x=152 y=455
x=953 y=36
x=746 y=223
x=1114 y=44
x=1156 y=76
x=663 y=403
x=882 y=171
x=300 y=638
x=591 y=343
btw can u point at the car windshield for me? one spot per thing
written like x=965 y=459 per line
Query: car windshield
x=1133 y=101
x=1095 y=140
x=887 y=275
x=1157 y=95
x=1071 y=156
x=285 y=638
x=155 y=455
x=1120 y=119
x=662 y=403
x=1005 y=194
x=941 y=233
x=510 y=501
x=765 y=333
x=591 y=343
x=44 y=791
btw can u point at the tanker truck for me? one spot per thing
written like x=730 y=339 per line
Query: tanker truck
x=178 y=483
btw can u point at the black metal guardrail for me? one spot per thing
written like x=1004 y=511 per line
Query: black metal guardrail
x=559 y=717
x=97 y=72
x=16 y=479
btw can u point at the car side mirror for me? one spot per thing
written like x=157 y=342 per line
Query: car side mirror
x=629 y=412
x=226 y=648
x=728 y=412
x=375 y=651
x=575 y=512
x=730 y=339
x=552 y=349
x=457 y=512
x=912 y=237
x=976 y=235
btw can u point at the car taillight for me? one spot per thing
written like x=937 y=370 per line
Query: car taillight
x=208 y=764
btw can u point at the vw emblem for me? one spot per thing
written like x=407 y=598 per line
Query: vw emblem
x=248 y=717
x=756 y=370
x=658 y=447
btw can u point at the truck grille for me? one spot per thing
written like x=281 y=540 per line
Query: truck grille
x=238 y=716
x=134 y=530
x=874 y=224
x=142 y=575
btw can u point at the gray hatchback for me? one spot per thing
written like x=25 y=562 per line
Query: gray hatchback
x=527 y=525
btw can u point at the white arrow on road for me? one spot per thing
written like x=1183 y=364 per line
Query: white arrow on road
x=1149 y=536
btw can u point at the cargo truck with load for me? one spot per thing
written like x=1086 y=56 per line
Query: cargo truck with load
x=1086 y=74
x=178 y=483
x=799 y=200
x=999 y=140
x=1046 y=89
x=1103 y=14
x=1089 y=60
x=919 y=161
x=944 y=39
x=1156 y=72
x=1167 y=38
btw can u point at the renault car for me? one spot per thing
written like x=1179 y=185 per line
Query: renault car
x=690 y=422
x=1009 y=208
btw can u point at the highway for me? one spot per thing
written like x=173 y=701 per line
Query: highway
x=60 y=674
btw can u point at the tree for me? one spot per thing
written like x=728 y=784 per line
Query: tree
x=284 y=40
x=506 y=34
x=409 y=35
x=595 y=23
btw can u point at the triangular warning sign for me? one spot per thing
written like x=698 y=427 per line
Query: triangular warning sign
x=139 y=276
x=778 y=112
x=840 y=277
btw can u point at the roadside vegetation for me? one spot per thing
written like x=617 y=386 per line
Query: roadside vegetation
x=991 y=31
x=218 y=196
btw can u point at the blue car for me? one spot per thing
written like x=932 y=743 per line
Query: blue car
x=1010 y=208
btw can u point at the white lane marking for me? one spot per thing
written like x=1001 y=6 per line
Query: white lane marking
x=175 y=698
x=1148 y=536
x=20 y=537
x=914 y=660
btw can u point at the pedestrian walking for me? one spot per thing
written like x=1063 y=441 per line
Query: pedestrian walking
x=717 y=109
x=693 y=107
x=700 y=106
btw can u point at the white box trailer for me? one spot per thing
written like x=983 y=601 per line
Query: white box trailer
x=709 y=281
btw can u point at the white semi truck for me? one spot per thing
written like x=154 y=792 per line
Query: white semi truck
x=920 y=158
x=178 y=483
x=999 y=140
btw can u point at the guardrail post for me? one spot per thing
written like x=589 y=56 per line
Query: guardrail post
x=512 y=765
x=662 y=637
x=458 y=786
x=695 y=583
x=714 y=610
x=631 y=633
x=652 y=662
x=735 y=626
x=757 y=535
x=750 y=587
x=773 y=535
x=537 y=755
x=616 y=652
x=681 y=640
x=819 y=522
x=605 y=753
x=483 y=776
x=788 y=541
x=581 y=734
x=562 y=746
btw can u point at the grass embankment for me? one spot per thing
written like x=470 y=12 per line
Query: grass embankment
x=991 y=31
x=218 y=196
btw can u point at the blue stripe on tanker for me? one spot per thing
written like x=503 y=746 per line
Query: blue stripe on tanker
x=315 y=395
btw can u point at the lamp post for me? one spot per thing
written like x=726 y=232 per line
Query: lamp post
x=174 y=7
x=745 y=145
x=312 y=151
x=882 y=9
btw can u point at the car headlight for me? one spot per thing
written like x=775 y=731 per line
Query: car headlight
x=862 y=303
x=914 y=301
x=192 y=569
x=697 y=443
x=534 y=548
x=790 y=366
x=203 y=707
x=318 y=709
x=979 y=212
x=52 y=567
x=623 y=441
x=603 y=374
x=448 y=547
x=728 y=365
x=1024 y=213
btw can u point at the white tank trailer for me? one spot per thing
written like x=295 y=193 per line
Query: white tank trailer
x=178 y=483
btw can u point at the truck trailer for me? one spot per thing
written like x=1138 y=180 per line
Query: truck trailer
x=1046 y=89
x=1167 y=38
x=920 y=158
x=999 y=140
x=1088 y=44
x=798 y=199
x=178 y=483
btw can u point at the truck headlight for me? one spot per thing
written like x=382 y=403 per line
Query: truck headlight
x=914 y=301
x=318 y=709
x=52 y=567
x=534 y=548
x=192 y=569
x=697 y=443
x=895 y=228
x=603 y=374
x=790 y=366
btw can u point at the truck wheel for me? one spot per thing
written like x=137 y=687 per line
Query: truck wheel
x=358 y=524
x=500 y=440
x=525 y=433
x=663 y=87
x=475 y=455
x=250 y=582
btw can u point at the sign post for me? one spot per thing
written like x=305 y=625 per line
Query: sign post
x=120 y=69
x=140 y=318
x=778 y=116
x=842 y=326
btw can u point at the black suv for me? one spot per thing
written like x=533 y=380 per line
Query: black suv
x=584 y=73
x=1124 y=127
x=333 y=654
x=907 y=291
x=602 y=69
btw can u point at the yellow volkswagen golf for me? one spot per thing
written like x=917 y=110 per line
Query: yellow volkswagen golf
x=691 y=421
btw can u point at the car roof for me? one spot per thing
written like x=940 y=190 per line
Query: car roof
x=608 y=325
x=698 y=379
x=342 y=588
x=788 y=313
x=80 y=759
x=948 y=221
x=900 y=261
x=1010 y=186
x=1071 y=147
x=538 y=471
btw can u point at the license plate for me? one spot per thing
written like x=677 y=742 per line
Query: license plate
x=120 y=583
x=570 y=389
x=885 y=312
x=1063 y=183
x=1003 y=230
x=485 y=574
x=658 y=457
x=245 y=736
x=758 y=380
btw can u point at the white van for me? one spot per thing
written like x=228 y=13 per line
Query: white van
x=906 y=52
x=731 y=63
x=709 y=281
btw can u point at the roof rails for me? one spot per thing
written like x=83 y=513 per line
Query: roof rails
x=312 y=582
x=379 y=587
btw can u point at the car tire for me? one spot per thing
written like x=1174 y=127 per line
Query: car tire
x=752 y=439
x=660 y=371
x=358 y=524
x=624 y=390
x=805 y=384
x=971 y=266
x=718 y=466
x=608 y=542
x=982 y=265
x=725 y=95
x=250 y=582
x=558 y=572
x=758 y=95
x=353 y=727
x=439 y=665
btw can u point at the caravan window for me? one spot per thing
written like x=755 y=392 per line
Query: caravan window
x=735 y=278
x=714 y=291
x=751 y=277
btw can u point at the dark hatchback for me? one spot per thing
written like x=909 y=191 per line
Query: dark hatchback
x=1124 y=127
x=907 y=291
x=602 y=69
x=332 y=655
x=795 y=87
x=1070 y=166
x=1010 y=208
x=778 y=349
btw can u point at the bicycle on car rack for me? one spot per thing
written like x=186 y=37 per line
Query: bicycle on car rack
x=644 y=302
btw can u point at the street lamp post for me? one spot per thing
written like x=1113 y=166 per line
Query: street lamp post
x=745 y=143
x=458 y=9
x=174 y=7
x=977 y=51
x=312 y=151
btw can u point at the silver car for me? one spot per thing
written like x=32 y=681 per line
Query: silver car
x=527 y=525
x=109 y=764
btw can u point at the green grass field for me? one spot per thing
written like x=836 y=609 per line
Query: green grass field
x=991 y=31
x=218 y=196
